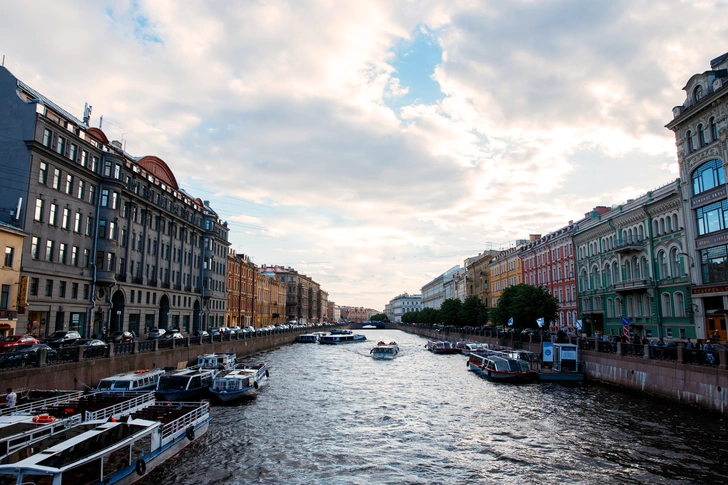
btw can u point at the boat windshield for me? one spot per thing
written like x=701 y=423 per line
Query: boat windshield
x=514 y=365
x=108 y=384
x=173 y=383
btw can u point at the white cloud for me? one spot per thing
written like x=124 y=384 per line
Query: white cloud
x=283 y=105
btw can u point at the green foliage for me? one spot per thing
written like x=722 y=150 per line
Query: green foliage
x=525 y=303
x=450 y=311
x=473 y=312
x=379 y=317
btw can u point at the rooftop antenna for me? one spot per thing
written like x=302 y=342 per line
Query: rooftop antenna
x=101 y=121
x=123 y=142
x=87 y=113
x=3 y=60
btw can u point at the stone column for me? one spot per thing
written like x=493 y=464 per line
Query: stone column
x=647 y=352
x=111 y=350
x=156 y=345
x=681 y=354
x=723 y=357
x=135 y=350
x=79 y=357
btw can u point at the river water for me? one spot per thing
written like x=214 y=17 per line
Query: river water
x=333 y=415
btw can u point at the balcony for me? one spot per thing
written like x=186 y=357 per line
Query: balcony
x=165 y=285
x=632 y=285
x=137 y=280
x=629 y=244
x=105 y=278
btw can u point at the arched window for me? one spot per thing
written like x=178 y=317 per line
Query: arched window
x=713 y=129
x=608 y=275
x=627 y=271
x=662 y=226
x=708 y=176
x=662 y=261
x=701 y=135
x=656 y=229
x=617 y=307
x=675 y=263
x=646 y=305
x=615 y=272
x=640 y=232
x=675 y=226
x=679 y=305
x=645 y=268
x=610 y=308
x=697 y=93
x=630 y=307
x=640 y=312
x=637 y=269
x=666 y=305
x=689 y=138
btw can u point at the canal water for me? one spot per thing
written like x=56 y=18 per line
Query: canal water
x=333 y=415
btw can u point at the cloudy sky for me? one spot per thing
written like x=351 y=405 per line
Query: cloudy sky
x=373 y=145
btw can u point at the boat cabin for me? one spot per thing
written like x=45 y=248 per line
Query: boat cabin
x=215 y=361
x=561 y=357
x=139 y=380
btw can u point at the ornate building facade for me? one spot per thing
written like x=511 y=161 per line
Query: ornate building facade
x=701 y=133
x=113 y=241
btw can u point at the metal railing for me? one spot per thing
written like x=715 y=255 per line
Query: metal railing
x=124 y=348
x=96 y=352
x=128 y=406
x=39 y=432
x=42 y=404
x=198 y=414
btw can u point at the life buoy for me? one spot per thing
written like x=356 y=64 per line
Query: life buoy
x=255 y=384
x=141 y=467
x=43 y=418
x=141 y=371
x=190 y=433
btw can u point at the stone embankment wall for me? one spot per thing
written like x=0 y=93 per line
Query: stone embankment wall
x=703 y=386
x=79 y=375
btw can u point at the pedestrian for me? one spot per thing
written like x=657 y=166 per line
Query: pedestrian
x=645 y=340
x=689 y=344
x=133 y=335
x=11 y=399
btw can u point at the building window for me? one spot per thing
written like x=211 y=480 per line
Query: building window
x=33 y=289
x=104 y=197
x=84 y=158
x=85 y=292
x=89 y=225
x=47 y=138
x=107 y=168
x=714 y=264
x=689 y=138
x=35 y=248
x=66 y=218
x=95 y=164
x=92 y=194
x=61 y=145
x=77 y=223
x=49 y=250
x=701 y=135
x=81 y=189
x=9 y=256
x=5 y=297
x=62 y=253
x=62 y=289
x=86 y=258
x=698 y=93
x=708 y=176
x=43 y=173
x=713 y=129
x=56 y=179
x=74 y=290
x=49 y=288
x=52 y=215
x=72 y=152
x=74 y=256
x=712 y=218
x=102 y=229
x=666 y=305
x=112 y=230
x=38 y=216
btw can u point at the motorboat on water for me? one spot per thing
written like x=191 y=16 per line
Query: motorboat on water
x=500 y=367
x=340 y=331
x=336 y=339
x=193 y=383
x=441 y=347
x=138 y=380
x=108 y=451
x=241 y=382
x=385 y=351
x=307 y=338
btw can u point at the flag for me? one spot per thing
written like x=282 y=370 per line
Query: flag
x=540 y=322
x=578 y=324
x=510 y=322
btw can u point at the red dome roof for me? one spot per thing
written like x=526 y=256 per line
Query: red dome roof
x=159 y=169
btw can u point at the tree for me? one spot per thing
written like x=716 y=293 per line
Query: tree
x=379 y=317
x=525 y=303
x=429 y=315
x=450 y=311
x=473 y=312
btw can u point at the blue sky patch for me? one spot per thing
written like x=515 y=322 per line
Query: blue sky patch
x=415 y=62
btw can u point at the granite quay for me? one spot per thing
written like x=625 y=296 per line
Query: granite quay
x=688 y=376
x=77 y=368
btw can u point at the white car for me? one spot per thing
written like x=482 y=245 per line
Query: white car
x=156 y=332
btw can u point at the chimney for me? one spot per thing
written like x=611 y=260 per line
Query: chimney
x=534 y=237
x=117 y=144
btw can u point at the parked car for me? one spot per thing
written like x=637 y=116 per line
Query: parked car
x=235 y=329
x=26 y=354
x=249 y=330
x=62 y=337
x=172 y=335
x=120 y=337
x=219 y=330
x=94 y=342
x=12 y=340
x=156 y=332
x=200 y=333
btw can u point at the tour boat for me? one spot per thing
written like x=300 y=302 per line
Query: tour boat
x=441 y=347
x=341 y=331
x=501 y=368
x=307 y=338
x=219 y=361
x=138 y=380
x=341 y=339
x=189 y=384
x=385 y=351
x=109 y=451
x=241 y=382
x=20 y=431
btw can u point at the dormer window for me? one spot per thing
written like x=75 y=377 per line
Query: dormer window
x=698 y=93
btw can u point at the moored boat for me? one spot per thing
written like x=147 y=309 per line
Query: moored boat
x=219 y=361
x=341 y=331
x=441 y=347
x=385 y=351
x=241 y=382
x=189 y=384
x=110 y=451
x=501 y=368
x=138 y=380
x=307 y=338
x=341 y=339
